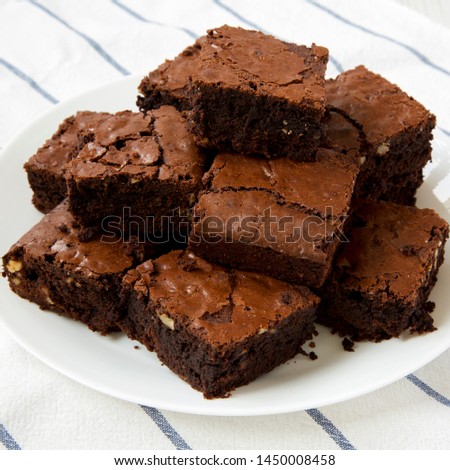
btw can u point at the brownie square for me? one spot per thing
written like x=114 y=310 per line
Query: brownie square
x=169 y=83
x=137 y=174
x=255 y=94
x=45 y=169
x=216 y=328
x=80 y=280
x=278 y=217
x=380 y=285
x=392 y=133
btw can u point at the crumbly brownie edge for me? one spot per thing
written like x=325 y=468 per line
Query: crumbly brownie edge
x=65 y=291
x=156 y=97
x=404 y=189
x=394 y=166
x=274 y=128
x=45 y=169
x=158 y=87
x=136 y=323
x=144 y=207
x=49 y=189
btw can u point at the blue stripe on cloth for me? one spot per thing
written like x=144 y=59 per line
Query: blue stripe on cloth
x=166 y=428
x=94 y=44
x=139 y=17
x=238 y=16
x=409 y=48
x=337 y=64
x=7 y=440
x=330 y=429
x=428 y=390
x=445 y=131
x=253 y=25
x=26 y=78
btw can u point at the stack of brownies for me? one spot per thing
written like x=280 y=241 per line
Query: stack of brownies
x=248 y=198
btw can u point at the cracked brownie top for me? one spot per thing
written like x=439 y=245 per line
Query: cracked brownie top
x=156 y=145
x=261 y=64
x=56 y=240
x=65 y=142
x=377 y=107
x=393 y=249
x=222 y=305
x=312 y=187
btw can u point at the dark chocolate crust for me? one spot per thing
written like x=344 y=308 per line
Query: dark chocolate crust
x=381 y=281
x=144 y=171
x=279 y=217
x=255 y=94
x=217 y=329
x=80 y=280
x=45 y=169
x=390 y=131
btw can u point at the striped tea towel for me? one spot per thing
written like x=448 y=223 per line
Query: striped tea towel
x=52 y=50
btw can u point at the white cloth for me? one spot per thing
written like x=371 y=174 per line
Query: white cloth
x=52 y=50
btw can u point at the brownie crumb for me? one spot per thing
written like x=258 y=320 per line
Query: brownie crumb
x=303 y=352
x=136 y=346
x=348 y=344
x=313 y=356
x=312 y=344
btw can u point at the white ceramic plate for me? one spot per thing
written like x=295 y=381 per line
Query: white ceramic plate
x=112 y=365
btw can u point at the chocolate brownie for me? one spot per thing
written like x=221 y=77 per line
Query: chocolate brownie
x=255 y=94
x=216 y=328
x=51 y=267
x=380 y=285
x=397 y=187
x=390 y=130
x=138 y=173
x=279 y=217
x=45 y=169
x=169 y=83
